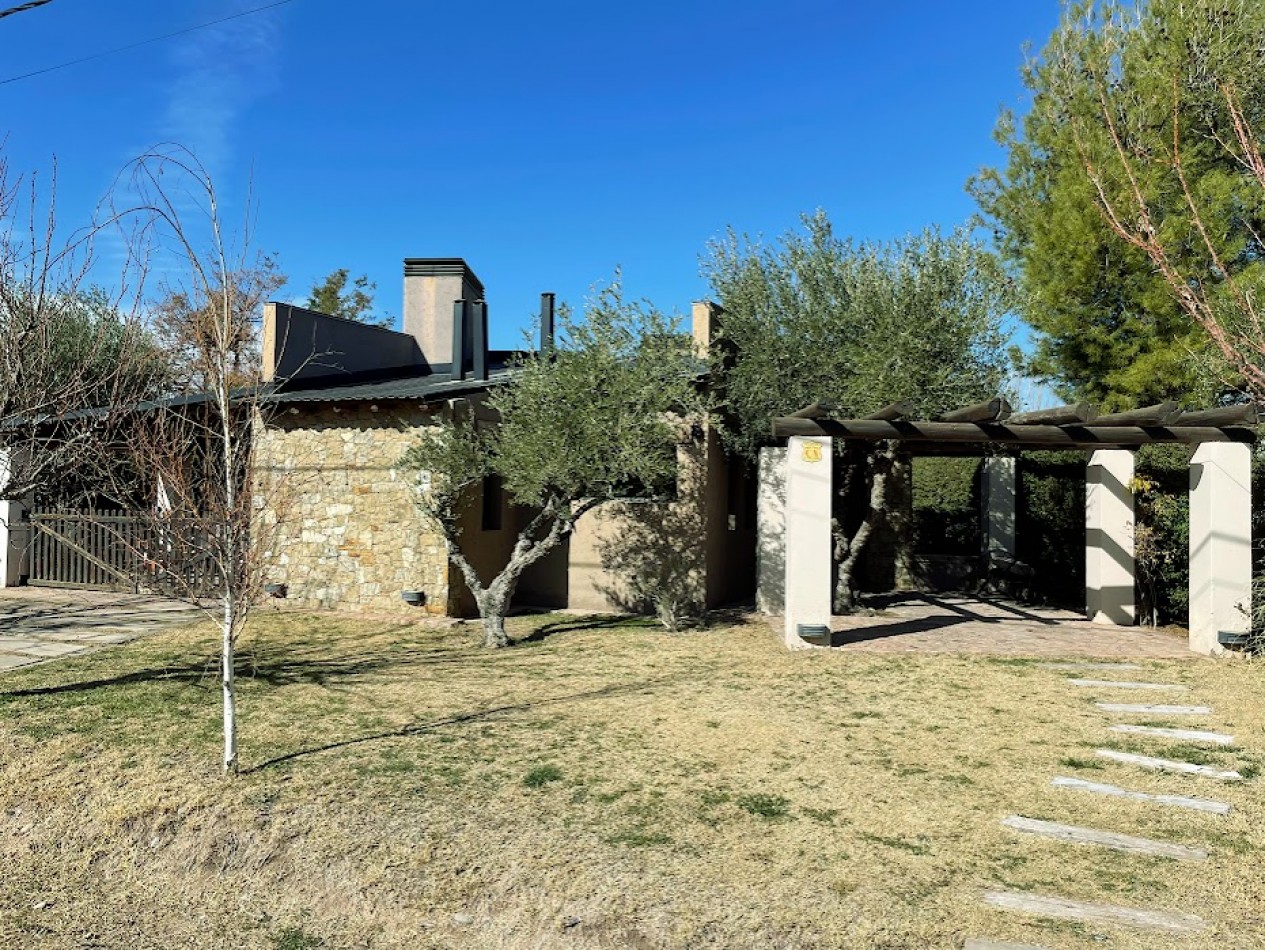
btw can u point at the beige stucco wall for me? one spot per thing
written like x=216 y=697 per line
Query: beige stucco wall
x=689 y=547
x=341 y=528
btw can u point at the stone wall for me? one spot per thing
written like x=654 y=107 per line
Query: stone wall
x=341 y=528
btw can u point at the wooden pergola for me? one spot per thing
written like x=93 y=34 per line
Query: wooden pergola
x=1068 y=427
x=1220 y=497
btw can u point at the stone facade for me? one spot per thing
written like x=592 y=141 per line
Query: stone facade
x=341 y=527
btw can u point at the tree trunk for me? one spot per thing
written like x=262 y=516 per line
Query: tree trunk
x=849 y=551
x=900 y=519
x=493 y=600
x=230 y=698
x=494 y=635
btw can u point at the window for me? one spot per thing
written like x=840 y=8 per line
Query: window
x=492 y=502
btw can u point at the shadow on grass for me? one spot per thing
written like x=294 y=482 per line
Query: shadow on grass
x=571 y=624
x=617 y=689
x=308 y=662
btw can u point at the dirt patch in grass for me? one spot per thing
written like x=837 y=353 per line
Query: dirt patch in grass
x=597 y=785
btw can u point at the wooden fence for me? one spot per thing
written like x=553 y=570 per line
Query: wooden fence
x=113 y=550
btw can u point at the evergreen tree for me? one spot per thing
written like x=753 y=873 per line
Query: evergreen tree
x=1128 y=205
x=332 y=296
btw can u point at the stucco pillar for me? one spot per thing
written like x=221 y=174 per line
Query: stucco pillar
x=808 y=497
x=1220 y=543
x=1109 y=581
x=770 y=552
x=999 y=483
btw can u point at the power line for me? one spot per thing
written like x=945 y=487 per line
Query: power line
x=23 y=8
x=152 y=39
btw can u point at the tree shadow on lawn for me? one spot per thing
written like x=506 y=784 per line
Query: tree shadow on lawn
x=594 y=622
x=614 y=689
x=291 y=664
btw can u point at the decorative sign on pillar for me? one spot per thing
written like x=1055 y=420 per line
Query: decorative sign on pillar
x=812 y=451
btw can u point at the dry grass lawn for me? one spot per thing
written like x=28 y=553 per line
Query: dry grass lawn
x=600 y=784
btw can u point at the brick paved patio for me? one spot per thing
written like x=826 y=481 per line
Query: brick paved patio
x=963 y=623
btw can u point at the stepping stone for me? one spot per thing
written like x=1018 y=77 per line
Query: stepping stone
x=1168 y=765
x=1044 y=906
x=1155 y=709
x=1105 y=839
x=1189 y=735
x=1113 y=684
x=975 y=943
x=1090 y=666
x=1178 y=801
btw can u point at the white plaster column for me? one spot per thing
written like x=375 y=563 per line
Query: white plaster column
x=770 y=594
x=1109 y=576
x=808 y=550
x=1220 y=543
x=999 y=481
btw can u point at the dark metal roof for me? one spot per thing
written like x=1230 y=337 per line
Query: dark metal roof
x=434 y=386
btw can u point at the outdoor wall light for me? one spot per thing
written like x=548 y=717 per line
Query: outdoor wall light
x=813 y=631
x=275 y=590
x=414 y=598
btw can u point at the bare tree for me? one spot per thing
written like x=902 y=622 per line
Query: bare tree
x=197 y=442
x=74 y=360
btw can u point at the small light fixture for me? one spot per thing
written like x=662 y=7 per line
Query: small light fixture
x=414 y=598
x=275 y=590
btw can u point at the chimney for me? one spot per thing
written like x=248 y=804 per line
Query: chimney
x=546 y=323
x=704 y=323
x=431 y=286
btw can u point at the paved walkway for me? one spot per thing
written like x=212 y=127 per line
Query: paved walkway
x=38 y=624
x=964 y=623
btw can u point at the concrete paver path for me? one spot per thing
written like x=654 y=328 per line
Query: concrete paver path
x=38 y=624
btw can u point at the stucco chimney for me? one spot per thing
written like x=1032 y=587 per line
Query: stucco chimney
x=431 y=284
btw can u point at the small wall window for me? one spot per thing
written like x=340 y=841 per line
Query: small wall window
x=492 y=502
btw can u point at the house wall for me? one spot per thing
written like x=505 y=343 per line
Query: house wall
x=340 y=525
x=622 y=555
x=341 y=529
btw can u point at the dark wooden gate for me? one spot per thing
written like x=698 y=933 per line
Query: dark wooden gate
x=115 y=550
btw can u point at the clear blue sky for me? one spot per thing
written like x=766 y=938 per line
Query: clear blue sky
x=546 y=143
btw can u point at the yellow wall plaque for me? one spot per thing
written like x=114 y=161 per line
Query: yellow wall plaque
x=812 y=452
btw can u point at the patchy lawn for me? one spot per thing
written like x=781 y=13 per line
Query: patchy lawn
x=597 y=785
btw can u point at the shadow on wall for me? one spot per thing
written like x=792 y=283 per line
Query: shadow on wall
x=771 y=532
x=656 y=555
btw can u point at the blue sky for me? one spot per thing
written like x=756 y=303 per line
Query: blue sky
x=546 y=143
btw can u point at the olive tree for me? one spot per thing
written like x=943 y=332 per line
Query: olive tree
x=595 y=419
x=814 y=317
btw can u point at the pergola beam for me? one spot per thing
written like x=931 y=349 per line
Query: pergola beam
x=1080 y=414
x=1245 y=415
x=988 y=411
x=1160 y=414
x=891 y=412
x=1043 y=436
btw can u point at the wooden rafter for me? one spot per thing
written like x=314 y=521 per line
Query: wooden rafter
x=991 y=410
x=1082 y=413
x=1161 y=414
x=1039 y=436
